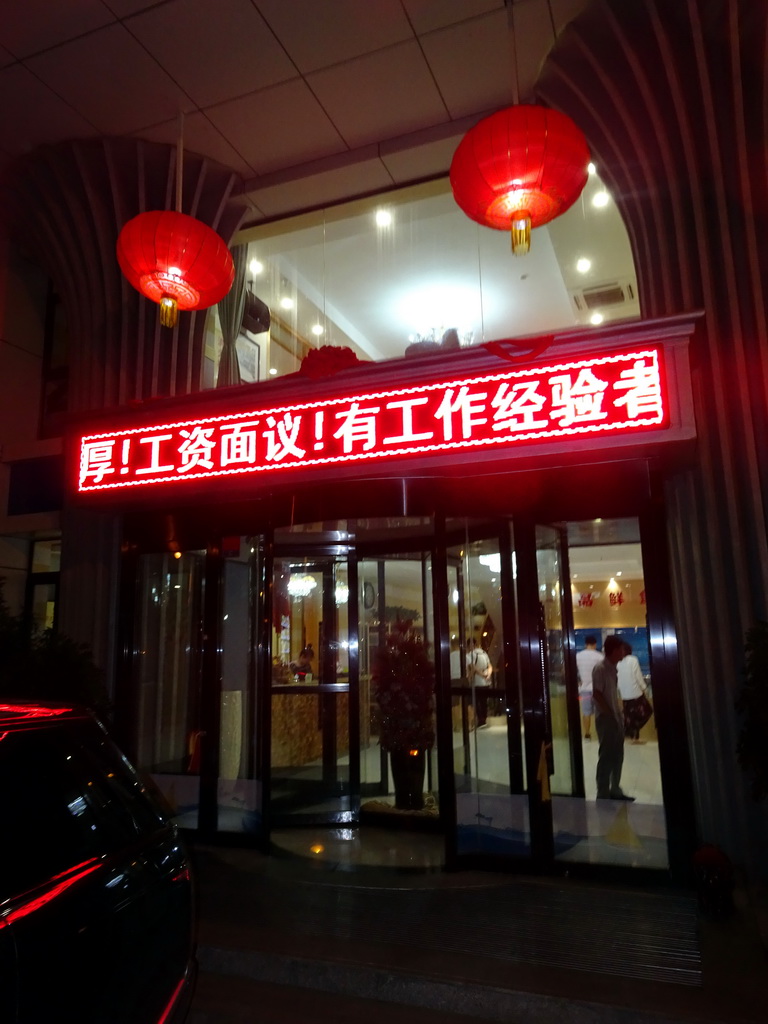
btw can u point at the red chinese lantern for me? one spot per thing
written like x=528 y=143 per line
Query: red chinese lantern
x=518 y=169
x=176 y=261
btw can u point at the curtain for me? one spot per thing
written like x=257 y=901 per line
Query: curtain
x=231 y=310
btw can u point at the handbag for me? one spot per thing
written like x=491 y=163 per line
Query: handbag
x=644 y=711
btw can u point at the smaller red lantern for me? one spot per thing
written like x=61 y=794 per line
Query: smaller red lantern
x=519 y=168
x=176 y=261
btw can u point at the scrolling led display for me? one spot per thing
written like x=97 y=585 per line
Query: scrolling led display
x=598 y=395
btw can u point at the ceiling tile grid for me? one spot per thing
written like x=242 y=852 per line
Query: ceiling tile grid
x=381 y=95
x=278 y=127
x=322 y=33
x=213 y=59
x=472 y=64
x=269 y=85
x=31 y=26
x=111 y=80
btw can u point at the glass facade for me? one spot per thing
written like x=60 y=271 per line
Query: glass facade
x=407 y=272
x=401 y=670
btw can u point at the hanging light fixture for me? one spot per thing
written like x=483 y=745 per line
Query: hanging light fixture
x=518 y=169
x=301 y=585
x=174 y=259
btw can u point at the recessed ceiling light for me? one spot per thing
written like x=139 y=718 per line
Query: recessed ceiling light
x=596 y=318
x=383 y=218
x=601 y=199
x=286 y=303
x=256 y=267
x=618 y=573
x=583 y=265
x=272 y=371
x=318 y=329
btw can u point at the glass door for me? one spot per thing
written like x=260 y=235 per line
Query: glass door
x=488 y=729
x=167 y=647
x=398 y=754
x=314 y=764
x=588 y=579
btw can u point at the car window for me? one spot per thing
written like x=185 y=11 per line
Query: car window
x=67 y=795
x=120 y=789
x=47 y=822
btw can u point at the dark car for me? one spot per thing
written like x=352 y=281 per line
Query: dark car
x=96 y=899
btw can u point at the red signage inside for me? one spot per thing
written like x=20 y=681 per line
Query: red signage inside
x=606 y=395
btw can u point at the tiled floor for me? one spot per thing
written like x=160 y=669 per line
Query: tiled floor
x=490 y=818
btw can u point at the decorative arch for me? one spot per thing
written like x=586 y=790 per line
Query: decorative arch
x=673 y=98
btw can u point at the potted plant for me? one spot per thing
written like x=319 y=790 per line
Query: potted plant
x=404 y=683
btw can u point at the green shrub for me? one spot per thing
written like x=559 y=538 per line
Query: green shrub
x=41 y=665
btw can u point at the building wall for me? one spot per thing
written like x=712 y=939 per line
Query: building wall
x=673 y=100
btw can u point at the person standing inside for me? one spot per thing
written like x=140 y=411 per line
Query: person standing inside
x=609 y=721
x=479 y=670
x=585 y=662
x=632 y=690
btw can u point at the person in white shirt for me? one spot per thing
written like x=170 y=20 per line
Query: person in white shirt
x=480 y=672
x=585 y=662
x=632 y=690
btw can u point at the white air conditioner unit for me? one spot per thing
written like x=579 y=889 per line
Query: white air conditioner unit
x=604 y=296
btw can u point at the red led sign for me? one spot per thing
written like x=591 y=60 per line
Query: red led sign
x=606 y=395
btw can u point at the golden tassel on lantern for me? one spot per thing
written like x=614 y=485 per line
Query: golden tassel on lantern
x=169 y=311
x=521 y=233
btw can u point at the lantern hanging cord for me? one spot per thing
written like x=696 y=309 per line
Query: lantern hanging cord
x=510 y=5
x=179 y=162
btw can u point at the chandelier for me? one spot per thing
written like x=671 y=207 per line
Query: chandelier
x=301 y=585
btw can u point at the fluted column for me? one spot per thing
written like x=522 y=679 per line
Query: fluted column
x=673 y=99
x=70 y=201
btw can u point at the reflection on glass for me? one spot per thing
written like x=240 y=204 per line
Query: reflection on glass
x=607 y=594
x=396 y=626
x=553 y=648
x=311 y=774
x=43 y=605
x=167 y=676
x=239 y=804
x=491 y=818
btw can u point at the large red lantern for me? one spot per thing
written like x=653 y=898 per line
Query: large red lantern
x=518 y=169
x=176 y=261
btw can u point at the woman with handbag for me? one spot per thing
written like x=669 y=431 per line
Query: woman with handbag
x=633 y=691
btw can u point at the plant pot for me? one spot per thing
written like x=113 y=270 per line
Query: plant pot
x=408 y=775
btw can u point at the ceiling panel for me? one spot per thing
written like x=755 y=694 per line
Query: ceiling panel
x=482 y=44
x=380 y=96
x=319 y=35
x=564 y=11
x=428 y=15
x=31 y=115
x=199 y=136
x=112 y=81
x=322 y=188
x=278 y=127
x=29 y=26
x=124 y=8
x=533 y=36
x=213 y=59
x=427 y=160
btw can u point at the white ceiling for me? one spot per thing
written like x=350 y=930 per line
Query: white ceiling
x=379 y=90
x=312 y=102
